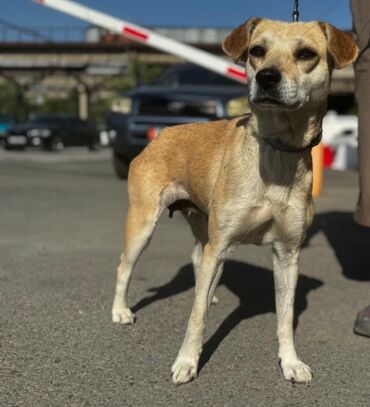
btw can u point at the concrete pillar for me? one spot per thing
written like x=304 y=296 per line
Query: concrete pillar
x=83 y=101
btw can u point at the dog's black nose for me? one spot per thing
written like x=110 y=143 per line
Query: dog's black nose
x=268 y=77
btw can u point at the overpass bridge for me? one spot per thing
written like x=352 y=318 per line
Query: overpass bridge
x=54 y=60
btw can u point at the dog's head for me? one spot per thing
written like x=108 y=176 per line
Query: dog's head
x=289 y=64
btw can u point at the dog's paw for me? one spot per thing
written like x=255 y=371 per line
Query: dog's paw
x=184 y=370
x=297 y=372
x=123 y=316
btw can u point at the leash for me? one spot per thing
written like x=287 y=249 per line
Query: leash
x=295 y=11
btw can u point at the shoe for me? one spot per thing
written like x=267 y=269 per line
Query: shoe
x=362 y=323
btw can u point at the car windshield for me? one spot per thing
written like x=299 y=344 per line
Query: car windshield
x=188 y=74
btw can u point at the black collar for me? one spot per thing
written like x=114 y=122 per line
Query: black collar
x=288 y=148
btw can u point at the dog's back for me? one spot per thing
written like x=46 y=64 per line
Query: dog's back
x=167 y=158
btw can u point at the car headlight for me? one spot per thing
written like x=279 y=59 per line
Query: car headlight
x=122 y=105
x=237 y=106
x=39 y=133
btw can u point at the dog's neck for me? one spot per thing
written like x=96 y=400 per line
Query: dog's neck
x=294 y=129
x=297 y=130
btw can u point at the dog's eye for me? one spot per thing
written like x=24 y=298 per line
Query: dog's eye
x=257 y=51
x=305 y=54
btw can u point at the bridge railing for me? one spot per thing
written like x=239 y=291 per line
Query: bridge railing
x=60 y=34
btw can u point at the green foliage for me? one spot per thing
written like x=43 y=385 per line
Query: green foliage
x=14 y=99
x=137 y=74
x=68 y=104
x=99 y=110
x=145 y=74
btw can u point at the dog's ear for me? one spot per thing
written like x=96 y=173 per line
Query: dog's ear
x=341 y=46
x=237 y=42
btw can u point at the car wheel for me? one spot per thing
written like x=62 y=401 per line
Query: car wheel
x=121 y=166
x=93 y=146
x=56 y=144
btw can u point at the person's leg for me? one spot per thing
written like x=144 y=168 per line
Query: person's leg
x=362 y=213
x=361 y=29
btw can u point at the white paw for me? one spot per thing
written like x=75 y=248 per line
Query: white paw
x=297 y=372
x=184 y=370
x=123 y=316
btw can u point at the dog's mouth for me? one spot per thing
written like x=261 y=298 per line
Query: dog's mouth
x=267 y=102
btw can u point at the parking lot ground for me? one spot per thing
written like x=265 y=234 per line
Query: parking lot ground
x=61 y=219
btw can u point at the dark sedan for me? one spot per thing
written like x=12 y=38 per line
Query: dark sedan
x=6 y=121
x=53 y=133
x=184 y=93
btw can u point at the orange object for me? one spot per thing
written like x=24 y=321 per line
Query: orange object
x=152 y=133
x=318 y=169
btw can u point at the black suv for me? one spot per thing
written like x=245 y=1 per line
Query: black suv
x=184 y=93
x=52 y=132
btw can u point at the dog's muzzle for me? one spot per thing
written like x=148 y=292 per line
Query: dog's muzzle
x=270 y=91
x=268 y=78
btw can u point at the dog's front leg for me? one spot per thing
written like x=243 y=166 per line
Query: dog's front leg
x=186 y=364
x=286 y=276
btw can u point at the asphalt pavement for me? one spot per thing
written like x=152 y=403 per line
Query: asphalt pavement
x=61 y=222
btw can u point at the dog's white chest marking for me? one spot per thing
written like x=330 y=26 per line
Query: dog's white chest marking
x=263 y=218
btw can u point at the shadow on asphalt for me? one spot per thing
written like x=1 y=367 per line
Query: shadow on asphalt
x=253 y=285
x=350 y=242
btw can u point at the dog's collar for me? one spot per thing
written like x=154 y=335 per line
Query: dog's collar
x=288 y=148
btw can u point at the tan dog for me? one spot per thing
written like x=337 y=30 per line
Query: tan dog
x=245 y=180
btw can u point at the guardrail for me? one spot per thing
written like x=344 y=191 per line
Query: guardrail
x=45 y=34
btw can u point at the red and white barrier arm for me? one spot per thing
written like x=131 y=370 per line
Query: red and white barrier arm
x=150 y=38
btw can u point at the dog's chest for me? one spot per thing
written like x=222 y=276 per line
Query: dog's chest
x=264 y=216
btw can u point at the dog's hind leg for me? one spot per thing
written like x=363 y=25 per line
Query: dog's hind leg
x=138 y=231
x=196 y=258
x=147 y=200
x=199 y=226
x=143 y=212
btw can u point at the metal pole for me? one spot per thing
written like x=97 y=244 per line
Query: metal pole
x=150 y=38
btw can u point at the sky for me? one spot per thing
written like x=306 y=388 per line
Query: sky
x=194 y=13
